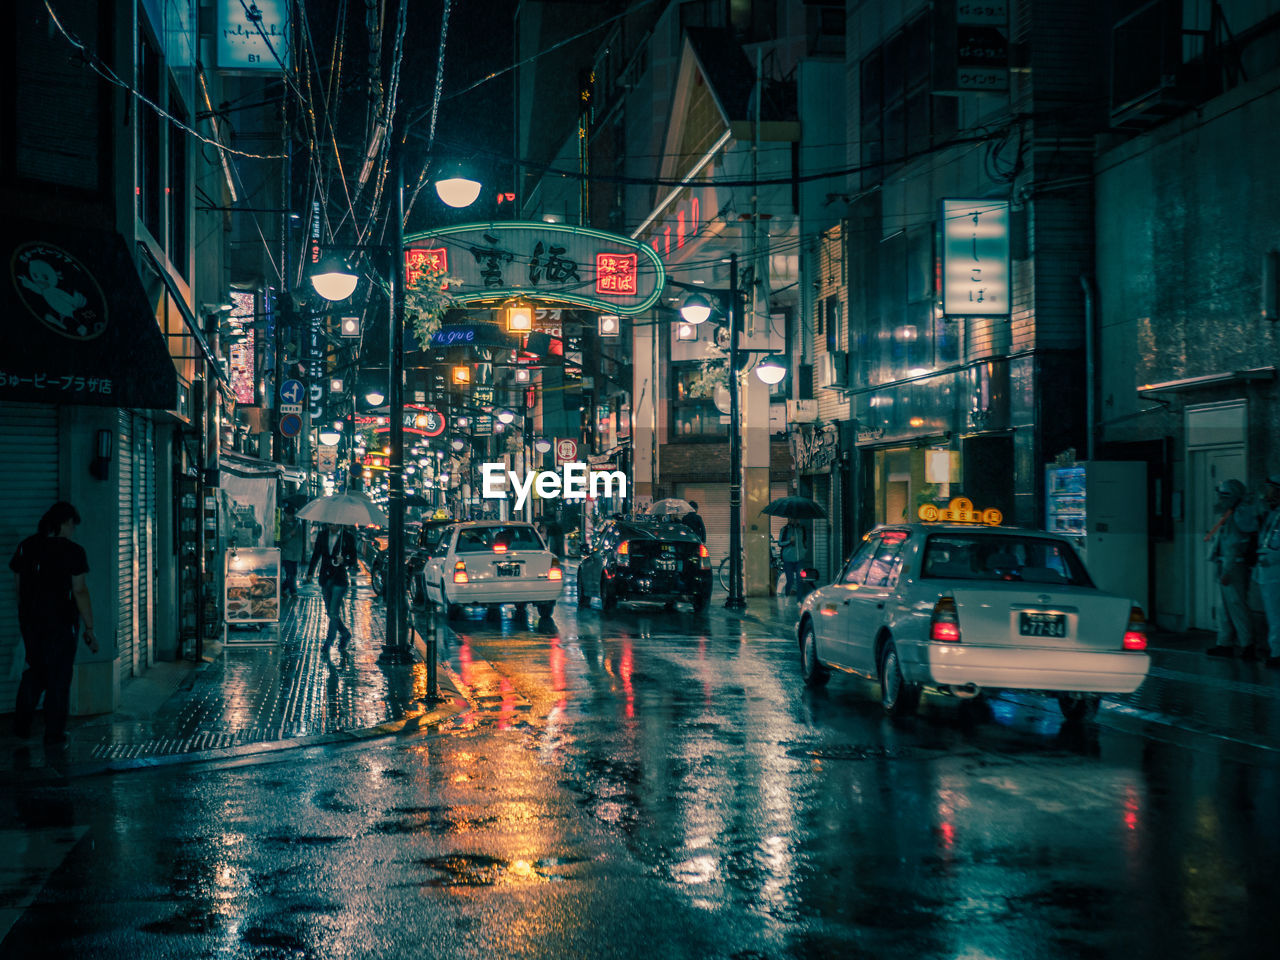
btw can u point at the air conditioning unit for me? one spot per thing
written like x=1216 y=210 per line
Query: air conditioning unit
x=834 y=368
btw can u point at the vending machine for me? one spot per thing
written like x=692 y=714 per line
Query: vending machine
x=1102 y=505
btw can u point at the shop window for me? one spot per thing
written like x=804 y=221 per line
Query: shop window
x=694 y=414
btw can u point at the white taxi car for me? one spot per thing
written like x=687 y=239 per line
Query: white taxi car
x=490 y=563
x=965 y=609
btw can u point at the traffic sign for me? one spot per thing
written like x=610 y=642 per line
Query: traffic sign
x=292 y=391
x=286 y=408
x=291 y=425
x=566 y=450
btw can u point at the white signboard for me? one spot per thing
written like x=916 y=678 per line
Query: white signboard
x=252 y=34
x=975 y=258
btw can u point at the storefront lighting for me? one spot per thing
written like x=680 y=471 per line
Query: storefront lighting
x=522 y=375
x=349 y=327
x=462 y=374
x=609 y=325
x=335 y=385
x=686 y=331
x=519 y=316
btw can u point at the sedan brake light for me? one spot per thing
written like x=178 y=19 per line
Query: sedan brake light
x=704 y=557
x=944 y=626
x=1135 y=637
x=499 y=547
x=460 y=572
x=624 y=552
x=555 y=573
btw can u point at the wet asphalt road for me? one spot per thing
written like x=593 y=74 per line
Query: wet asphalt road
x=661 y=784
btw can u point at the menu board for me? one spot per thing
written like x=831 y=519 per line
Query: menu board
x=252 y=585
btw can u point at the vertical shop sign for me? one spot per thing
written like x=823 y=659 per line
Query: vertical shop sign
x=975 y=258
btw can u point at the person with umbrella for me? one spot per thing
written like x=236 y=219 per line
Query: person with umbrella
x=293 y=547
x=335 y=554
x=794 y=541
x=694 y=522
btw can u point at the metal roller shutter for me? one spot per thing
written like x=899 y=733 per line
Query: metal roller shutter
x=28 y=487
x=713 y=508
x=127 y=554
x=822 y=529
x=144 y=438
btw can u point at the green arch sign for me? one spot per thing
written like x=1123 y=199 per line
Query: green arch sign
x=542 y=261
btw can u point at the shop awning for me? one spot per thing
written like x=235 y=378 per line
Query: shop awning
x=77 y=328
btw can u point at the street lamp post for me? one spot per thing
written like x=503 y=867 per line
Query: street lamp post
x=736 y=601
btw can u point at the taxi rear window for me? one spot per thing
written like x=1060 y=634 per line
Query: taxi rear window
x=974 y=556
x=483 y=539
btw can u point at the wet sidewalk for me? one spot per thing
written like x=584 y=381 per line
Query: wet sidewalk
x=1185 y=693
x=251 y=697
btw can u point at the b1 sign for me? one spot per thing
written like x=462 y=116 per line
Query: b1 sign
x=975 y=258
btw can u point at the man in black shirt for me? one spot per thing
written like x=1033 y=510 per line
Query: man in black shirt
x=694 y=522
x=52 y=599
x=334 y=553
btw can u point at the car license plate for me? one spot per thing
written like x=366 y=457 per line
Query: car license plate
x=1042 y=624
x=507 y=569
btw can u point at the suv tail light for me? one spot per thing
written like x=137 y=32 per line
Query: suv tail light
x=944 y=627
x=460 y=572
x=704 y=557
x=555 y=573
x=624 y=552
x=1135 y=636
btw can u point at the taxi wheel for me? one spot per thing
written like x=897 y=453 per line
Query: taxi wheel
x=898 y=697
x=608 y=599
x=545 y=610
x=701 y=601
x=451 y=610
x=1078 y=709
x=812 y=669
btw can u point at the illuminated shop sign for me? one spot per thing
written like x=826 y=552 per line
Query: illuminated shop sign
x=960 y=510
x=546 y=261
x=975 y=258
x=253 y=37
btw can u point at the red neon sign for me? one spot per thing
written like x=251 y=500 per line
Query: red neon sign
x=420 y=262
x=616 y=273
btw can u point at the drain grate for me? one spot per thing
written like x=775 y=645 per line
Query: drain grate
x=853 y=751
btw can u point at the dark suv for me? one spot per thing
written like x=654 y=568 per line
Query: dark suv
x=645 y=560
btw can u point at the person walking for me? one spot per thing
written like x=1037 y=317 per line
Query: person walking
x=1232 y=539
x=555 y=534
x=334 y=553
x=1267 y=573
x=52 y=599
x=293 y=547
x=793 y=541
x=694 y=522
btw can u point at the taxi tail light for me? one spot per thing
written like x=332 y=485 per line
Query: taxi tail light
x=460 y=572
x=624 y=552
x=555 y=573
x=1135 y=636
x=704 y=557
x=499 y=547
x=944 y=627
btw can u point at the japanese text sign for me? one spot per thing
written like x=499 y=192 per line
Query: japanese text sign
x=548 y=261
x=975 y=258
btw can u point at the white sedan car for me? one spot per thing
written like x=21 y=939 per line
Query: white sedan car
x=490 y=563
x=965 y=609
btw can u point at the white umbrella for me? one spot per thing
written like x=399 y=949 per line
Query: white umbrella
x=351 y=509
x=670 y=506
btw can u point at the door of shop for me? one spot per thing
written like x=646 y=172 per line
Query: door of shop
x=1208 y=469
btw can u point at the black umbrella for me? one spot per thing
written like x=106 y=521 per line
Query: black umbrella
x=413 y=500
x=795 y=508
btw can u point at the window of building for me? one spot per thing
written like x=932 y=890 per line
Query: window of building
x=694 y=414
x=179 y=244
x=150 y=169
x=53 y=91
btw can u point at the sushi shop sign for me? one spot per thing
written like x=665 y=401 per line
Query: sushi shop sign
x=544 y=261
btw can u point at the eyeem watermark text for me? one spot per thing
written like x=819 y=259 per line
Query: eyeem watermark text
x=573 y=482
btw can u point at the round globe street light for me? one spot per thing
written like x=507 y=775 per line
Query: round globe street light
x=330 y=438
x=458 y=191
x=375 y=398
x=770 y=371
x=333 y=279
x=506 y=416
x=542 y=445
x=696 y=309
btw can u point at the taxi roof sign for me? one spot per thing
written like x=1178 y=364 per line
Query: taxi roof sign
x=960 y=510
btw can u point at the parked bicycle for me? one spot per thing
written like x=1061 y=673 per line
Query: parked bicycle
x=775 y=565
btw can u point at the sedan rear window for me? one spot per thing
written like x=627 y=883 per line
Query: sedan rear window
x=485 y=539
x=1023 y=559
